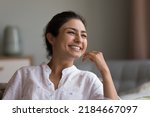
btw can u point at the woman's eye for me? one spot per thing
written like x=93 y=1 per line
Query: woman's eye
x=84 y=36
x=71 y=32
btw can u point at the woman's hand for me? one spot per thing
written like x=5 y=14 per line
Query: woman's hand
x=98 y=59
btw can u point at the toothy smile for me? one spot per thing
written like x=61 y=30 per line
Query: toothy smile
x=75 y=47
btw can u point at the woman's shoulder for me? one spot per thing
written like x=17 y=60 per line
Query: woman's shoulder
x=33 y=68
x=87 y=73
x=30 y=72
x=89 y=76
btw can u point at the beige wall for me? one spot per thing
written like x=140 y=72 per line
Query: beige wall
x=107 y=23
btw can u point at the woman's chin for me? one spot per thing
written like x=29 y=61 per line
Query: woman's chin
x=77 y=56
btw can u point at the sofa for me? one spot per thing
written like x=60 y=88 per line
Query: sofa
x=131 y=77
x=2 y=89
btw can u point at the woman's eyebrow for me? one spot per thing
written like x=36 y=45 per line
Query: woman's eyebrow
x=83 y=31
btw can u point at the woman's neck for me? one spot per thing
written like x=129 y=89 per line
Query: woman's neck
x=58 y=65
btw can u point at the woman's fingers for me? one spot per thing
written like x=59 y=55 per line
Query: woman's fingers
x=93 y=55
x=97 y=58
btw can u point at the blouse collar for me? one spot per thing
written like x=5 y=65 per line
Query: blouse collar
x=64 y=71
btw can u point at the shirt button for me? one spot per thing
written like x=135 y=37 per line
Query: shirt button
x=50 y=96
x=49 y=84
x=47 y=70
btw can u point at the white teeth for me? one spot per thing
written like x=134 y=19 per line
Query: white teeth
x=75 y=47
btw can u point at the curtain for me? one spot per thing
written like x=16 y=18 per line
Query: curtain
x=140 y=29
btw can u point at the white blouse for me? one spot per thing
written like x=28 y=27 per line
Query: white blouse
x=32 y=83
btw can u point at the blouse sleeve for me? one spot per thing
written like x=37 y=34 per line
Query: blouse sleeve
x=14 y=88
x=97 y=92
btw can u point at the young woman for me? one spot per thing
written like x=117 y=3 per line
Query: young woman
x=66 y=40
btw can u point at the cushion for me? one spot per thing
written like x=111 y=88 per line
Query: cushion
x=2 y=89
x=141 y=92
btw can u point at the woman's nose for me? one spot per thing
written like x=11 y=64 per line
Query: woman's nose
x=78 y=38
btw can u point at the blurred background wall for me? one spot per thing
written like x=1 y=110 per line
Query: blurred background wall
x=108 y=24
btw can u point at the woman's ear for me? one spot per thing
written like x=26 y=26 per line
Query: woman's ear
x=50 y=38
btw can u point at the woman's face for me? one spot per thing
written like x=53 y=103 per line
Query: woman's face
x=71 y=40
